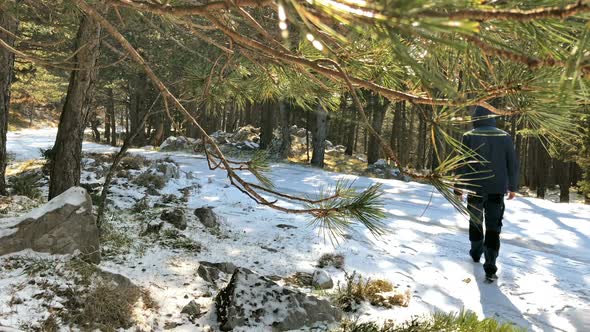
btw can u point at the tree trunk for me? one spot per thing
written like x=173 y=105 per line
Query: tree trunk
x=112 y=118
x=320 y=133
x=138 y=106
x=421 y=158
x=378 y=109
x=267 y=127
x=350 y=127
x=107 y=124
x=158 y=136
x=564 y=181
x=285 y=148
x=6 y=75
x=67 y=150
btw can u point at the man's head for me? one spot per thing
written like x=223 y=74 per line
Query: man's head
x=482 y=117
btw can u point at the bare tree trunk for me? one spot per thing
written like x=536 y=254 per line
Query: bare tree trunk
x=138 y=106
x=6 y=75
x=285 y=148
x=67 y=150
x=350 y=127
x=158 y=136
x=112 y=118
x=378 y=109
x=564 y=181
x=421 y=158
x=320 y=133
x=107 y=124
x=266 y=130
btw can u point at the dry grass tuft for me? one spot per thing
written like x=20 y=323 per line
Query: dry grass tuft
x=377 y=292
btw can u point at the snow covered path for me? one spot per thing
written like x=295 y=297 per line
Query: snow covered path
x=544 y=266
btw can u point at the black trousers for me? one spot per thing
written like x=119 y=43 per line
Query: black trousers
x=488 y=210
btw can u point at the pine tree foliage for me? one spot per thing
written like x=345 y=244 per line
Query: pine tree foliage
x=525 y=59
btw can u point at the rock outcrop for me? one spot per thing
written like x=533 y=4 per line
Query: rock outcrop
x=251 y=301
x=62 y=226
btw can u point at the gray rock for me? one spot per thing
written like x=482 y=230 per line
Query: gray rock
x=175 y=217
x=173 y=143
x=62 y=226
x=322 y=280
x=169 y=169
x=151 y=190
x=210 y=271
x=153 y=228
x=286 y=226
x=207 y=217
x=192 y=310
x=251 y=301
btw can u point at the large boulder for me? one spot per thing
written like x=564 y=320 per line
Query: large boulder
x=62 y=226
x=254 y=302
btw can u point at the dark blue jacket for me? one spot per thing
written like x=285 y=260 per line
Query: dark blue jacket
x=494 y=170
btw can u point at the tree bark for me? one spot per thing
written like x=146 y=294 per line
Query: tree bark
x=6 y=75
x=564 y=181
x=267 y=127
x=319 y=135
x=67 y=150
x=112 y=121
x=138 y=106
x=285 y=148
x=350 y=127
x=378 y=109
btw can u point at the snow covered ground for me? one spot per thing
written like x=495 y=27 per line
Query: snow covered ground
x=544 y=266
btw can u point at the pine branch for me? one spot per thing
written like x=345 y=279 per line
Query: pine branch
x=511 y=14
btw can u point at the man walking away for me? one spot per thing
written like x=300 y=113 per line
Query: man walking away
x=491 y=174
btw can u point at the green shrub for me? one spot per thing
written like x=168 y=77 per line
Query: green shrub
x=465 y=321
x=26 y=184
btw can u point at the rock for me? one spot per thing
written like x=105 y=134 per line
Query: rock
x=207 y=217
x=118 y=279
x=210 y=271
x=382 y=168
x=62 y=226
x=298 y=132
x=175 y=217
x=153 y=228
x=192 y=310
x=169 y=169
x=15 y=204
x=173 y=143
x=151 y=190
x=246 y=133
x=322 y=280
x=254 y=302
x=286 y=226
x=91 y=187
x=221 y=137
x=300 y=279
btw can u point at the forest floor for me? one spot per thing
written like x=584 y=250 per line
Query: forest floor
x=544 y=267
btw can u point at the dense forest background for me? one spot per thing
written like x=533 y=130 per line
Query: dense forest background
x=225 y=86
